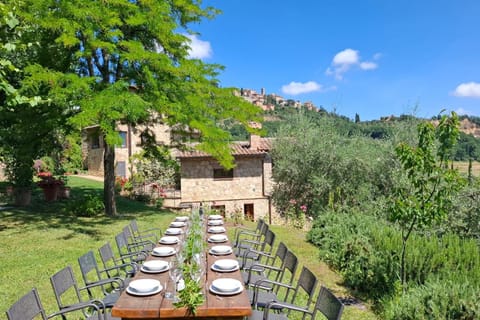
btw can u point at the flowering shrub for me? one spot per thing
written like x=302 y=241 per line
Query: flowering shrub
x=48 y=180
x=296 y=213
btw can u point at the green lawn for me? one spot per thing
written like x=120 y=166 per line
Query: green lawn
x=40 y=240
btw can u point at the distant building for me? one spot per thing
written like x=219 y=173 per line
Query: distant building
x=245 y=189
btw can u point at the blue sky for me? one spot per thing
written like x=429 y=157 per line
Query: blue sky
x=371 y=57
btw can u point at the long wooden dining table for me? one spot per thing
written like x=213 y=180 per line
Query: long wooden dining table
x=156 y=306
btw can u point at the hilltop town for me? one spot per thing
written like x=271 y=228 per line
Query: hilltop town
x=268 y=101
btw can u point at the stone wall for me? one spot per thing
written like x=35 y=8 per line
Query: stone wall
x=247 y=186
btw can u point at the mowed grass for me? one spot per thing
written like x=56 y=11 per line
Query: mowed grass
x=40 y=240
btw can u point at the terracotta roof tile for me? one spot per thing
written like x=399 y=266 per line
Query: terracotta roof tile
x=239 y=148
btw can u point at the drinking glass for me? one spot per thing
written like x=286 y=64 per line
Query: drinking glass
x=174 y=273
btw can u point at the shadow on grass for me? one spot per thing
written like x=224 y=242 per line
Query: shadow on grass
x=42 y=215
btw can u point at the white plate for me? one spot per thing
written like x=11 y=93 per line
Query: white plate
x=215 y=222
x=220 y=250
x=135 y=293
x=173 y=231
x=177 y=224
x=214 y=217
x=155 y=271
x=216 y=230
x=215 y=268
x=163 y=251
x=226 y=286
x=144 y=286
x=169 y=240
x=181 y=218
x=218 y=238
x=155 y=266
x=226 y=264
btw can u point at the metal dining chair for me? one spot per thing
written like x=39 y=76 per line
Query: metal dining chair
x=30 y=307
x=273 y=261
x=306 y=285
x=327 y=304
x=260 y=292
x=146 y=243
x=128 y=252
x=67 y=293
x=152 y=234
x=248 y=231
x=110 y=287
x=245 y=245
x=261 y=251
x=115 y=267
x=246 y=239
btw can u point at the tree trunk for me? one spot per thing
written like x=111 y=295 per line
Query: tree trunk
x=109 y=181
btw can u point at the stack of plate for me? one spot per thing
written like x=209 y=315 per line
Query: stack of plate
x=226 y=286
x=163 y=251
x=218 y=238
x=220 y=250
x=216 y=230
x=225 y=265
x=169 y=240
x=144 y=287
x=154 y=266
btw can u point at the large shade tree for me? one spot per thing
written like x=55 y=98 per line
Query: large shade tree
x=129 y=63
x=29 y=125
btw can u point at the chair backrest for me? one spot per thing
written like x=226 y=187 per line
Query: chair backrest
x=122 y=243
x=89 y=268
x=27 y=307
x=328 y=304
x=134 y=227
x=128 y=233
x=308 y=282
x=107 y=256
x=64 y=281
x=290 y=264
x=269 y=241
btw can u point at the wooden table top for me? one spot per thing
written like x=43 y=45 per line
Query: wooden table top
x=157 y=307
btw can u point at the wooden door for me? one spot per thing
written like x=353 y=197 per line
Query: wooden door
x=248 y=211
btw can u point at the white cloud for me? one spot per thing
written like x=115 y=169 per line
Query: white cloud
x=348 y=58
x=295 y=88
x=468 y=89
x=368 y=65
x=199 y=49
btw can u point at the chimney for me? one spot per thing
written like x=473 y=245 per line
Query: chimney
x=254 y=141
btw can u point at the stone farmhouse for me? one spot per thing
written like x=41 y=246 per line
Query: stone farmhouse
x=244 y=190
x=93 y=147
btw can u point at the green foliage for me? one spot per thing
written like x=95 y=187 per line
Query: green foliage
x=361 y=248
x=468 y=148
x=319 y=166
x=88 y=205
x=158 y=168
x=191 y=296
x=438 y=299
x=123 y=64
x=430 y=184
x=366 y=252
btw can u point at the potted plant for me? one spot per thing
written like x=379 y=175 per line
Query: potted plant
x=50 y=185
